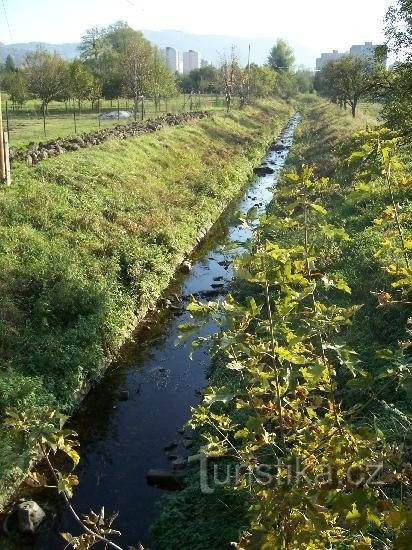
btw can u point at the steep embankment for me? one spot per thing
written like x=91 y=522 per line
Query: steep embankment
x=89 y=240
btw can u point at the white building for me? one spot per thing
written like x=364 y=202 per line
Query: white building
x=366 y=50
x=191 y=61
x=325 y=58
x=171 y=57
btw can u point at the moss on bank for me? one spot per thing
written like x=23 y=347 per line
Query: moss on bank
x=90 y=239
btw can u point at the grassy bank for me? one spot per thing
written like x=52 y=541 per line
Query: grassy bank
x=25 y=124
x=324 y=140
x=90 y=239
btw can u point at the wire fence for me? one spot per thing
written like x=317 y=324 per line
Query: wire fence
x=29 y=124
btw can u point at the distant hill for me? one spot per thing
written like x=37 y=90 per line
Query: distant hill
x=210 y=46
x=19 y=51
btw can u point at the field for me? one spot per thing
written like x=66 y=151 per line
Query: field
x=26 y=124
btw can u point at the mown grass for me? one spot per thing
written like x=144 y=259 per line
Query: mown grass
x=89 y=239
x=325 y=126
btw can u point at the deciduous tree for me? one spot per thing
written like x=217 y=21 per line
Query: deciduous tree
x=15 y=84
x=47 y=76
x=352 y=78
x=137 y=69
x=81 y=81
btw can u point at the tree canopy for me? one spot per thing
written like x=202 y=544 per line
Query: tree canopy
x=281 y=57
x=350 y=79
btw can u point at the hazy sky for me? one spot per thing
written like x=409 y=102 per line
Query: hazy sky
x=319 y=24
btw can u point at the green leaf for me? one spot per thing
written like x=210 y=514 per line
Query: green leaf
x=242 y=434
x=318 y=208
x=217 y=396
x=354 y=514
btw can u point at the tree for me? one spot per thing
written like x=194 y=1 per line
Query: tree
x=93 y=44
x=119 y=36
x=47 y=76
x=81 y=81
x=136 y=65
x=15 y=84
x=160 y=80
x=203 y=80
x=262 y=80
x=398 y=109
x=350 y=79
x=281 y=57
x=398 y=28
x=304 y=79
x=9 y=65
x=232 y=77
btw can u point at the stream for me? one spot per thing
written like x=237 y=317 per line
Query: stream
x=138 y=409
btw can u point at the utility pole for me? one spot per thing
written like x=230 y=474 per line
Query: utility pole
x=4 y=153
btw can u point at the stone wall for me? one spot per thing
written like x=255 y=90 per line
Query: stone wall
x=36 y=152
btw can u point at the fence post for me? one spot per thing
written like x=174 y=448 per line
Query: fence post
x=44 y=120
x=6 y=157
x=7 y=119
x=4 y=153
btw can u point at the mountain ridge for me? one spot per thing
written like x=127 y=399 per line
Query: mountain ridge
x=211 y=47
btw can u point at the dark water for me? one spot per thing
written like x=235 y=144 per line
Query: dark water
x=121 y=440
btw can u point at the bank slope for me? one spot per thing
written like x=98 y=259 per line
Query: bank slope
x=90 y=239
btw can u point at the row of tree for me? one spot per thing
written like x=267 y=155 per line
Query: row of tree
x=118 y=61
x=352 y=78
x=114 y=62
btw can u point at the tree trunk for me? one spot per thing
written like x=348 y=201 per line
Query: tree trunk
x=354 y=105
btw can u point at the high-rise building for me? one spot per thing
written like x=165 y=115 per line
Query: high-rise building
x=191 y=61
x=325 y=58
x=205 y=63
x=366 y=51
x=171 y=57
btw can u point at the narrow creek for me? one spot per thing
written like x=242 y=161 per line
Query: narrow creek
x=126 y=422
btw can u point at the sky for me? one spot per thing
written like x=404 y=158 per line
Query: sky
x=322 y=25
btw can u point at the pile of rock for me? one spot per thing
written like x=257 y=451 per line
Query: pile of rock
x=36 y=152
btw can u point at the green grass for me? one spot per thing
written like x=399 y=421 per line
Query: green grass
x=324 y=127
x=89 y=239
x=26 y=124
